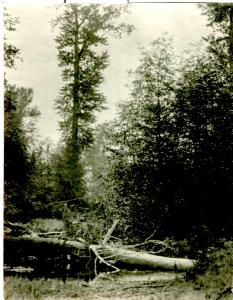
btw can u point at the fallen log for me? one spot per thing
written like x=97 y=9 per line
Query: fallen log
x=115 y=255
x=111 y=256
x=17 y=249
x=106 y=254
x=36 y=240
x=49 y=256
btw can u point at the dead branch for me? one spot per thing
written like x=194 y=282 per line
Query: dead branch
x=156 y=242
x=109 y=233
x=50 y=233
x=101 y=259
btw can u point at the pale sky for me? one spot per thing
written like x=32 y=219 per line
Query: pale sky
x=39 y=69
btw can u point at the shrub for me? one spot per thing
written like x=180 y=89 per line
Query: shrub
x=215 y=270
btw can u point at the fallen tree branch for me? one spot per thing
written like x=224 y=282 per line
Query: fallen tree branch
x=109 y=233
x=101 y=259
x=156 y=242
x=143 y=285
x=50 y=233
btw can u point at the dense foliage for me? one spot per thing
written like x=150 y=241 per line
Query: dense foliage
x=16 y=158
x=171 y=146
x=163 y=167
x=19 y=129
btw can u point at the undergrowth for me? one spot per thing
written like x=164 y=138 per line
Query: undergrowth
x=215 y=269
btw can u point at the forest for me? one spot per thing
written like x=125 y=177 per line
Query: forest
x=161 y=172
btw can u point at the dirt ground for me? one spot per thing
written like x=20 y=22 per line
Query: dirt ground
x=143 y=292
x=146 y=293
x=134 y=286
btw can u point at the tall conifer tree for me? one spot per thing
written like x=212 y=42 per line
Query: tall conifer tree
x=83 y=31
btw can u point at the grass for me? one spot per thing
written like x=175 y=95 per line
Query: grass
x=17 y=288
x=20 y=288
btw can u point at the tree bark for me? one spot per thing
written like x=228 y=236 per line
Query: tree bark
x=133 y=258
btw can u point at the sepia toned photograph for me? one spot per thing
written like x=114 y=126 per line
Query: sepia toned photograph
x=118 y=140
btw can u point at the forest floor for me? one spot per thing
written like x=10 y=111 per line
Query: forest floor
x=107 y=287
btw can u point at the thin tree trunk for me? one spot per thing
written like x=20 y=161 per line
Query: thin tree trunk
x=231 y=40
x=76 y=100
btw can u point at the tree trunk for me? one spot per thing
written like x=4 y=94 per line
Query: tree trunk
x=150 y=261
x=111 y=256
x=36 y=243
x=231 y=39
x=76 y=95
